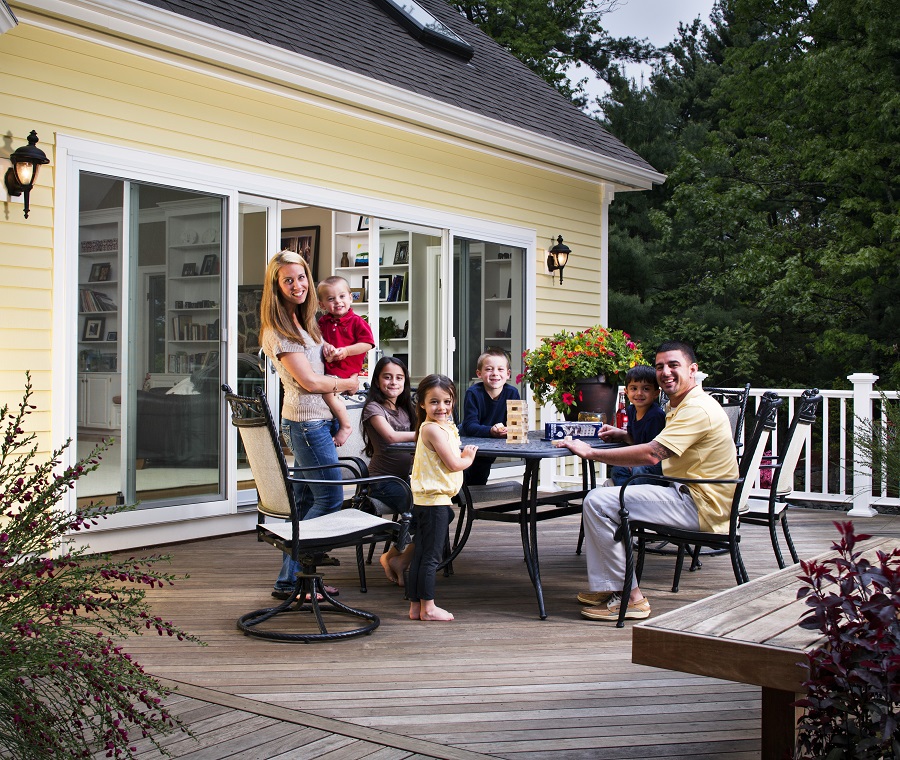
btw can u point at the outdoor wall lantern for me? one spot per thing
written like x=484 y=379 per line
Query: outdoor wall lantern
x=21 y=175
x=558 y=257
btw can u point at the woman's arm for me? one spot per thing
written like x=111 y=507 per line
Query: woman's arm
x=301 y=370
x=381 y=426
x=439 y=442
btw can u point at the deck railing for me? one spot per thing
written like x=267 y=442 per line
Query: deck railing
x=825 y=472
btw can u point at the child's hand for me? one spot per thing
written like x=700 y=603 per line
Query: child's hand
x=468 y=452
x=498 y=430
x=343 y=433
x=337 y=354
x=328 y=352
x=610 y=433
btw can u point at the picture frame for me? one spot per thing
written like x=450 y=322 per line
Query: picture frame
x=384 y=286
x=361 y=259
x=363 y=224
x=93 y=328
x=358 y=295
x=112 y=336
x=401 y=254
x=305 y=241
x=210 y=264
x=189 y=269
x=100 y=272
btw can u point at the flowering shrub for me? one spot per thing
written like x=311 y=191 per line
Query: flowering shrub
x=553 y=368
x=67 y=687
x=853 y=690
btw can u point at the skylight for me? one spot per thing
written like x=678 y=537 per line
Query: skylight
x=426 y=28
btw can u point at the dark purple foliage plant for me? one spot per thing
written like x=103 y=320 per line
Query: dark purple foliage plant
x=68 y=688
x=853 y=691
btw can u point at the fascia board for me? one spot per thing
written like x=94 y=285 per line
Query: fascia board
x=327 y=85
x=7 y=17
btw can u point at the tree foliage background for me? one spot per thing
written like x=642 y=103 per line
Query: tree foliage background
x=773 y=245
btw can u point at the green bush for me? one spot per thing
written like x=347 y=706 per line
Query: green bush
x=68 y=689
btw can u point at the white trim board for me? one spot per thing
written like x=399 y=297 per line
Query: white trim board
x=322 y=84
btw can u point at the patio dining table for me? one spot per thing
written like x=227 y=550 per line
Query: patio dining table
x=528 y=509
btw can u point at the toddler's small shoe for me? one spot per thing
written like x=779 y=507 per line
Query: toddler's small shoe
x=610 y=611
x=595 y=598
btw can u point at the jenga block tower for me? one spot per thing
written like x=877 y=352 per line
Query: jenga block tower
x=516 y=422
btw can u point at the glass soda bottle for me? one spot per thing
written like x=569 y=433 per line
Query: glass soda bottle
x=621 y=417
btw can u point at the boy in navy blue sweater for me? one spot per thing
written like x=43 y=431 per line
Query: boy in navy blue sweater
x=646 y=419
x=484 y=409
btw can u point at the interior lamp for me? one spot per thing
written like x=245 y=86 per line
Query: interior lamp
x=20 y=177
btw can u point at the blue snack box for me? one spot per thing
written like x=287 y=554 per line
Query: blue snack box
x=556 y=431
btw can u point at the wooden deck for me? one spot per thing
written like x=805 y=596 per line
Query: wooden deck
x=496 y=682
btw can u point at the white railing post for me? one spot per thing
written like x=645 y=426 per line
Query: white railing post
x=863 y=495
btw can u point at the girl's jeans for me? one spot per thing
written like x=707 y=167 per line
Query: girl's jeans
x=312 y=445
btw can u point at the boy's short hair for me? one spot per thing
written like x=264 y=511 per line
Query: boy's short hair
x=330 y=282
x=492 y=351
x=642 y=373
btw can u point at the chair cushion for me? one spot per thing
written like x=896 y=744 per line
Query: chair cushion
x=760 y=508
x=347 y=525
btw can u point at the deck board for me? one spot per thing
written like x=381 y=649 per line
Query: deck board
x=497 y=682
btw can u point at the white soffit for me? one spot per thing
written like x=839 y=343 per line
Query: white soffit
x=324 y=83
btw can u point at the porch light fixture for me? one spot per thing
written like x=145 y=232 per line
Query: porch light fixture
x=25 y=162
x=558 y=257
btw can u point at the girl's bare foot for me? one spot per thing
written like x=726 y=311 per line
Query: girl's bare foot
x=414 y=610
x=388 y=570
x=398 y=564
x=435 y=614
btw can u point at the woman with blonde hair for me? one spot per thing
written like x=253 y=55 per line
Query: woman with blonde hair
x=291 y=339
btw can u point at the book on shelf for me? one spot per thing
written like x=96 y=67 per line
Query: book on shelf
x=94 y=300
x=404 y=291
x=396 y=286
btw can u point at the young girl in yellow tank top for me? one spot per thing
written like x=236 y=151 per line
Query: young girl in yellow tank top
x=436 y=478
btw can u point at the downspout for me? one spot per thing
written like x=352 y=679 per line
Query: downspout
x=607 y=194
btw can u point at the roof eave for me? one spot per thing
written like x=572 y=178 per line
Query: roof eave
x=7 y=18
x=164 y=29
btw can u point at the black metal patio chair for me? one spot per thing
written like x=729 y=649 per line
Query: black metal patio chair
x=772 y=510
x=642 y=530
x=307 y=540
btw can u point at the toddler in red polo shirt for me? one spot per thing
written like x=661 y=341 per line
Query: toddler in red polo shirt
x=347 y=334
x=347 y=338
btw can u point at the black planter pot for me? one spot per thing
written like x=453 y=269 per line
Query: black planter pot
x=594 y=394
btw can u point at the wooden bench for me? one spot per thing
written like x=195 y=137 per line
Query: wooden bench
x=747 y=634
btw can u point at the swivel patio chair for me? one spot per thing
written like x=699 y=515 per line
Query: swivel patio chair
x=772 y=510
x=749 y=464
x=307 y=540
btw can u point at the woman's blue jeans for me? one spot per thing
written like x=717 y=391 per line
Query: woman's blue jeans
x=312 y=445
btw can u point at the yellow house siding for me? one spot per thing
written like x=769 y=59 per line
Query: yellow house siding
x=53 y=83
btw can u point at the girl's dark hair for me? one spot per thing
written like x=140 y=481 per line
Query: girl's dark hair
x=404 y=400
x=428 y=382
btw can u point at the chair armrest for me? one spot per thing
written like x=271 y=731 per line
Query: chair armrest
x=340 y=465
x=357 y=464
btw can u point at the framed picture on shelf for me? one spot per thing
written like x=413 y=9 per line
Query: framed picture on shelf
x=112 y=336
x=93 y=328
x=358 y=294
x=305 y=241
x=210 y=264
x=361 y=259
x=363 y=224
x=401 y=255
x=189 y=269
x=100 y=272
x=384 y=286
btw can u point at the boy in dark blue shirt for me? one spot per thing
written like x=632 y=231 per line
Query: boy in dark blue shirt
x=646 y=419
x=484 y=409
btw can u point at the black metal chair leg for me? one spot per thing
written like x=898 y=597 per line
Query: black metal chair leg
x=787 y=537
x=361 y=566
x=773 y=535
x=580 y=537
x=679 y=564
x=696 y=564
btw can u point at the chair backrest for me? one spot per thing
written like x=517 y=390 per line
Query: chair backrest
x=764 y=424
x=253 y=419
x=792 y=445
x=734 y=402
